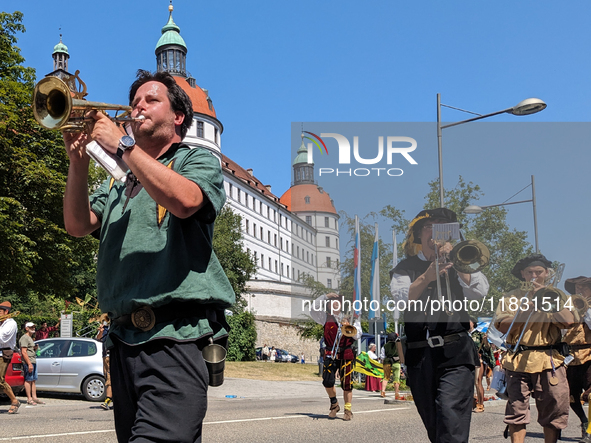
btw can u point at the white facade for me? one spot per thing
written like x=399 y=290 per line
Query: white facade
x=205 y=132
x=285 y=245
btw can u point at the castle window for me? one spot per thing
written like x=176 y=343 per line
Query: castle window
x=326 y=222
x=200 y=129
x=307 y=199
x=328 y=262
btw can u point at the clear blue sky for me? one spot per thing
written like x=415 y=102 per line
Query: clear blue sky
x=267 y=64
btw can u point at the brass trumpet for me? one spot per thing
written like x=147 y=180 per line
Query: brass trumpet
x=54 y=107
x=9 y=315
x=349 y=331
x=469 y=256
x=549 y=294
x=580 y=303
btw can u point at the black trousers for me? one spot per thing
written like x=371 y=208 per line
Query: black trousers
x=159 y=391
x=444 y=399
x=579 y=380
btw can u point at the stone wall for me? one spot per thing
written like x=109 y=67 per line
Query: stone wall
x=285 y=336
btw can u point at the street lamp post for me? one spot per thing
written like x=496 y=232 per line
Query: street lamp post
x=474 y=209
x=525 y=107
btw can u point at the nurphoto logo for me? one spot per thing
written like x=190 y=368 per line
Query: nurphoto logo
x=394 y=145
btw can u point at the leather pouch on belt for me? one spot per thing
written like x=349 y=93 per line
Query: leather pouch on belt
x=7 y=354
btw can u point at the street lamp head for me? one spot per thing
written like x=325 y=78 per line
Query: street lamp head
x=528 y=106
x=473 y=209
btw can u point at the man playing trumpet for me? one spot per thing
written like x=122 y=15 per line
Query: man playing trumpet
x=578 y=371
x=339 y=354
x=536 y=368
x=157 y=276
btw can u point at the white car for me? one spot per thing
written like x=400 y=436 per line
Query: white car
x=71 y=365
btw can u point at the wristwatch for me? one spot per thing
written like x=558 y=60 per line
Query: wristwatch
x=126 y=142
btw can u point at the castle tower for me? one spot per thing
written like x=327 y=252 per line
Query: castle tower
x=171 y=56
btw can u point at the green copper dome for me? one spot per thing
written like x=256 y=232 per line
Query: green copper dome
x=60 y=47
x=171 y=34
x=302 y=156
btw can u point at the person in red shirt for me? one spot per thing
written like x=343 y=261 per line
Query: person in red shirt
x=43 y=331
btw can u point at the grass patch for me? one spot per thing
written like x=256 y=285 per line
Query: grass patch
x=259 y=370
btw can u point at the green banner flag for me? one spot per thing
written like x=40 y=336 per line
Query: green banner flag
x=367 y=366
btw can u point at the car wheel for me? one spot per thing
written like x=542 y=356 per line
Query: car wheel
x=93 y=388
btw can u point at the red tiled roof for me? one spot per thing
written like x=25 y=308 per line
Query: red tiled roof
x=197 y=96
x=295 y=199
x=238 y=171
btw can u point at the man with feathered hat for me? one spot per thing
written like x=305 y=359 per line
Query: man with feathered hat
x=578 y=372
x=440 y=354
x=536 y=368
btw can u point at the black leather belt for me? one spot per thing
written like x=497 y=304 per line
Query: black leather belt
x=146 y=317
x=562 y=348
x=436 y=341
x=580 y=346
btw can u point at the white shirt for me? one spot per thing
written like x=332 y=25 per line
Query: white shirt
x=477 y=288
x=372 y=355
x=8 y=330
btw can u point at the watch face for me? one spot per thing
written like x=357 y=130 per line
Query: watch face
x=127 y=141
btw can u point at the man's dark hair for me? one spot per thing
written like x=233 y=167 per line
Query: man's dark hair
x=179 y=100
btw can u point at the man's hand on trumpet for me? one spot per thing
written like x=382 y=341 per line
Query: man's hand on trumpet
x=104 y=131
x=431 y=272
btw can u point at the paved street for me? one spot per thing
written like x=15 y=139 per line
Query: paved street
x=260 y=411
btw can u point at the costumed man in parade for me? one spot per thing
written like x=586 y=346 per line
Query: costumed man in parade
x=578 y=372
x=8 y=330
x=392 y=364
x=440 y=355
x=339 y=355
x=535 y=367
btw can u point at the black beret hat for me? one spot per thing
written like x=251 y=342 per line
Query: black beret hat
x=531 y=260
x=392 y=336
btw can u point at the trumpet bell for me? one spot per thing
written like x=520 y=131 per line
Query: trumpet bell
x=470 y=256
x=54 y=107
x=52 y=103
x=580 y=303
x=349 y=331
x=546 y=298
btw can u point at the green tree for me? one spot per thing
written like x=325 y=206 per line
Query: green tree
x=37 y=256
x=239 y=266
